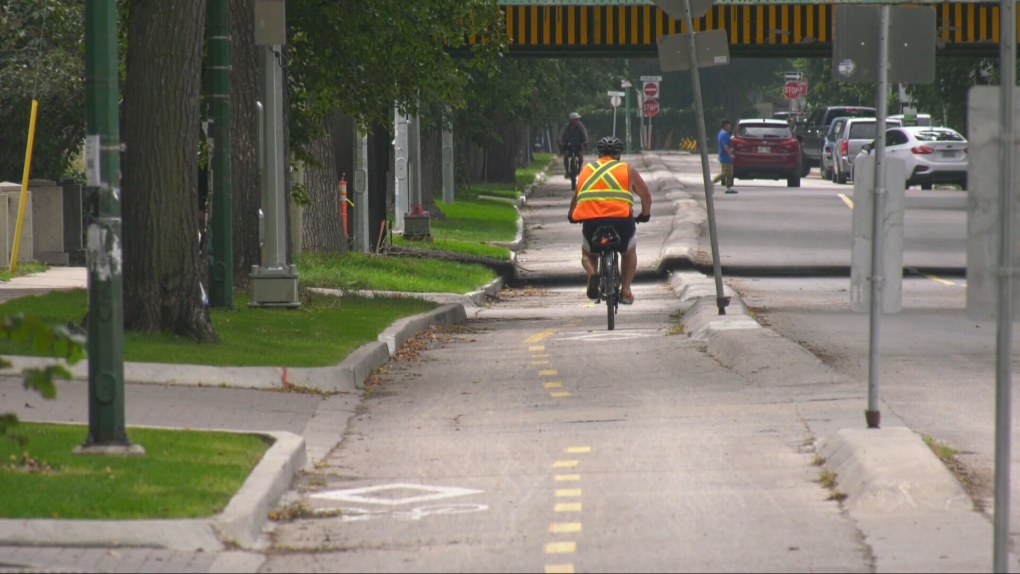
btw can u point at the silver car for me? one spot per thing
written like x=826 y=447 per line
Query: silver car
x=855 y=134
x=828 y=145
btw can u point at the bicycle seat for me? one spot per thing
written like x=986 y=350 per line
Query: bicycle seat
x=605 y=238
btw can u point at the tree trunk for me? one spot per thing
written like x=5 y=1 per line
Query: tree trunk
x=501 y=163
x=245 y=192
x=321 y=228
x=162 y=292
x=432 y=171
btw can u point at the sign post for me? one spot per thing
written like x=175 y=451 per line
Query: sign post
x=685 y=52
x=626 y=85
x=650 y=103
x=614 y=100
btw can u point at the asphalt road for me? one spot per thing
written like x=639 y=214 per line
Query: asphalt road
x=767 y=228
x=936 y=366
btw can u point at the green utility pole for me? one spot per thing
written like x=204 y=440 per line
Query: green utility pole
x=103 y=252
x=221 y=255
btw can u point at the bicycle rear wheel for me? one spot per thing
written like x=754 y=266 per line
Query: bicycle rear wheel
x=609 y=287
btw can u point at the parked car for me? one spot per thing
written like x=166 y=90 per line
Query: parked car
x=932 y=155
x=811 y=132
x=766 y=149
x=828 y=144
x=853 y=135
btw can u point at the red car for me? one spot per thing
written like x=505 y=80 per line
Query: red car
x=766 y=149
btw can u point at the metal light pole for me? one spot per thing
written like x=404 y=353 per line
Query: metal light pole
x=221 y=254
x=873 y=415
x=103 y=252
x=706 y=172
x=626 y=121
x=1004 y=337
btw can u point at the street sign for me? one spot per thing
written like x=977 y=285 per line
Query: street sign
x=651 y=89
x=619 y=94
x=713 y=49
x=984 y=226
x=650 y=108
x=625 y=83
x=791 y=90
x=651 y=78
x=856 y=43
x=614 y=101
x=891 y=239
x=803 y=87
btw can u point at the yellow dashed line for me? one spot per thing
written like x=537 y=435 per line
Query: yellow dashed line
x=567 y=507
x=565 y=464
x=553 y=385
x=849 y=202
x=561 y=547
x=548 y=373
x=559 y=569
x=538 y=337
x=564 y=527
x=559 y=395
x=539 y=362
x=567 y=477
x=536 y=348
x=540 y=356
x=940 y=280
x=577 y=449
x=568 y=492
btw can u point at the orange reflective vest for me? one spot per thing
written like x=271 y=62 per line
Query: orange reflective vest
x=603 y=190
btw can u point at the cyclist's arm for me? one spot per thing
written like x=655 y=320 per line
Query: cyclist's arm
x=573 y=204
x=638 y=186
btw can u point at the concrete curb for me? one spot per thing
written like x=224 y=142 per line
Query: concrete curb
x=891 y=469
x=347 y=376
x=240 y=523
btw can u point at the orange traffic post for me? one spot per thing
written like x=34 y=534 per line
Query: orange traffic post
x=24 y=187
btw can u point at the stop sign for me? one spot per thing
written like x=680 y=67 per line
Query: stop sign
x=650 y=108
x=791 y=90
x=651 y=89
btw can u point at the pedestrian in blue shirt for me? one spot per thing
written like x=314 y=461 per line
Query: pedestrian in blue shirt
x=725 y=158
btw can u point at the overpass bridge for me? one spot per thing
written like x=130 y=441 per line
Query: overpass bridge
x=763 y=28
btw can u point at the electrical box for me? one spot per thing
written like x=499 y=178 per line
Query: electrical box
x=8 y=224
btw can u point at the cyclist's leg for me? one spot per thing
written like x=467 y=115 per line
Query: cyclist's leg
x=628 y=268
x=589 y=261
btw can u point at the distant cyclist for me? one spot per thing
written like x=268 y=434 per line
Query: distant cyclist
x=574 y=135
x=605 y=196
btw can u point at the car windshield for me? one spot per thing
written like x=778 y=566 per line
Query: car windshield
x=938 y=136
x=857 y=113
x=764 y=131
x=862 y=131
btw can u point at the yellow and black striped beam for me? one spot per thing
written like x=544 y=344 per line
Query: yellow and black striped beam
x=755 y=30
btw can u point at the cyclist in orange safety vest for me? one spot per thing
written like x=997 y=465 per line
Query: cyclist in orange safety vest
x=605 y=196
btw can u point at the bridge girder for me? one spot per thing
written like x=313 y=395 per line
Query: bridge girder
x=631 y=28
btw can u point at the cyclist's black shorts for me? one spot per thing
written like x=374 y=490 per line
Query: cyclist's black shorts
x=625 y=226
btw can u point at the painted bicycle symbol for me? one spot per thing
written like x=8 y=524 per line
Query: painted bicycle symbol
x=355 y=514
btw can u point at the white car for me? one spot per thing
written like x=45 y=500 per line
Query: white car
x=932 y=155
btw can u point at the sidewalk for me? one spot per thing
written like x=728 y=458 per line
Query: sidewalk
x=910 y=510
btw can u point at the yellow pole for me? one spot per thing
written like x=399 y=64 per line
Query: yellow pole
x=24 y=187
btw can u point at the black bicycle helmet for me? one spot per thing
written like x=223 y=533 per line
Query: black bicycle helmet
x=609 y=146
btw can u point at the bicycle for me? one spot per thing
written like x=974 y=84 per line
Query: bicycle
x=606 y=241
x=573 y=166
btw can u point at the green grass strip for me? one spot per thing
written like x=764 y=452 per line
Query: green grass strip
x=184 y=474
x=386 y=273
x=321 y=333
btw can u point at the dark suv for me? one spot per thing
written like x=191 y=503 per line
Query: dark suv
x=811 y=132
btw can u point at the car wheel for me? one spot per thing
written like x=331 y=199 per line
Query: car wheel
x=841 y=177
x=926 y=186
x=805 y=165
x=826 y=173
x=793 y=181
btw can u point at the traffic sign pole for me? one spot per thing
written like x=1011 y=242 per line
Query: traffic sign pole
x=721 y=300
